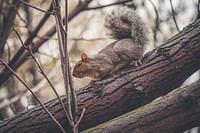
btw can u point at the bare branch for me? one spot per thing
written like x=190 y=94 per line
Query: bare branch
x=68 y=82
x=80 y=118
x=6 y=24
x=45 y=76
x=27 y=86
x=47 y=12
x=68 y=74
x=9 y=54
x=156 y=21
x=61 y=41
x=102 y=6
x=24 y=21
x=65 y=57
x=20 y=56
x=173 y=14
x=85 y=39
x=26 y=93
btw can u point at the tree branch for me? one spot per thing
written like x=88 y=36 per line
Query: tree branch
x=163 y=70
x=20 y=56
x=7 y=25
x=166 y=114
x=35 y=96
x=173 y=14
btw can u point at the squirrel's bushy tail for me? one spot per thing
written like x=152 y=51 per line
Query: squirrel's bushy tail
x=125 y=23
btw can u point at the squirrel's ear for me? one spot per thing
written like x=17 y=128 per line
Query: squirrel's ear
x=84 y=56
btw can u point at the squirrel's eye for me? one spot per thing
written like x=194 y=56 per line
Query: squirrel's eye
x=79 y=64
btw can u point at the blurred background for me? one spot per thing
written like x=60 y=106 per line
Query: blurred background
x=86 y=34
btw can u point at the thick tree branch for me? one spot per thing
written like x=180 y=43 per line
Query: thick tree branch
x=163 y=70
x=7 y=25
x=176 y=112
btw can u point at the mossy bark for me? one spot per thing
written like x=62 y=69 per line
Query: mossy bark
x=176 y=112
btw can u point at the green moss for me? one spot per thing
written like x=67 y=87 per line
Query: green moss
x=138 y=87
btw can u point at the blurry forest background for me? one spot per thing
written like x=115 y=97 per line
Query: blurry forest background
x=86 y=34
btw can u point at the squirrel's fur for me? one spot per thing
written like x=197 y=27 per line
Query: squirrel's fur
x=125 y=23
x=132 y=35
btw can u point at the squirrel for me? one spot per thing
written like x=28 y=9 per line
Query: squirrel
x=132 y=34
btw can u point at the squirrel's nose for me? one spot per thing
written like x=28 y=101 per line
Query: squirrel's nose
x=78 y=75
x=73 y=74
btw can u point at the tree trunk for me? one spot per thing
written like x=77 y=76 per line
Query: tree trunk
x=163 y=70
x=174 y=113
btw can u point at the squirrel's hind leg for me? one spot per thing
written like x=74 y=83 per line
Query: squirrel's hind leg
x=119 y=66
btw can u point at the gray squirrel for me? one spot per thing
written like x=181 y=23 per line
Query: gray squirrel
x=132 y=34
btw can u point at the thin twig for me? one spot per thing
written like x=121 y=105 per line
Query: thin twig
x=24 y=21
x=85 y=39
x=102 y=6
x=45 y=76
x=68 y=82
x=65 y=63
x=20 y=56
x=26 y=93
x=80 y=118
x=34 y=7
x=73 y=94
x=27 y=86
x=156 y=21
x=28 y=41
x=74 y=107
x=173 y=14
x=9 y=54
x=49 y=55
x=62 y=54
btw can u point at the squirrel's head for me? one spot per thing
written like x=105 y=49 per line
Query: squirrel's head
x=84 y=67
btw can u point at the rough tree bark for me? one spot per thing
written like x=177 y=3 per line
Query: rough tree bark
x=163 y=70
x=176 y=112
